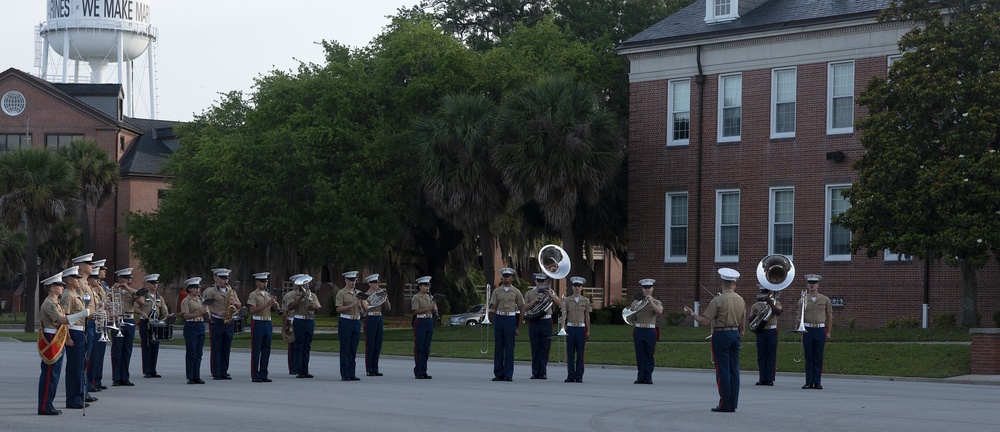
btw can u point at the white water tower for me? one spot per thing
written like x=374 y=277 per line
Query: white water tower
x=110 y=36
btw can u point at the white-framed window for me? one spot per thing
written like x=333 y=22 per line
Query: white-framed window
x=676 y=244
x=890 y=256
x=893 y=59
x=721 y=10
x=727 y=225
x=840 y=98
x=730 y=107
x=837 y=239
x=781 y=224
x=679 y=108
x=783 y=103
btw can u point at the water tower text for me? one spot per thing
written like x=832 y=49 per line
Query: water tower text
x=131 y=10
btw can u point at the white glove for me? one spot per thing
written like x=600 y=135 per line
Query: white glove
x=76 y=317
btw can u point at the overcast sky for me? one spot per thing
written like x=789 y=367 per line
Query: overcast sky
x=207 y=47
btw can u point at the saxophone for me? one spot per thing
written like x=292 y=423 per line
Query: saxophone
x=230 y=308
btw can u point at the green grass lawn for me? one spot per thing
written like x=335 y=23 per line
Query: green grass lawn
x=885 y=352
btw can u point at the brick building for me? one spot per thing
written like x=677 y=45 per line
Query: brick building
x=39 y=113
x=783 y=76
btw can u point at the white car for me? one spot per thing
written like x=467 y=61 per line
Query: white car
x=473 y=317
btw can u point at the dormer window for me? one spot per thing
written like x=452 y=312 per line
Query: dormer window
x=721 y=10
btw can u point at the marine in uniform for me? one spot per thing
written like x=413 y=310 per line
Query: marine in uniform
x=540 y=329
x=121 y=347
x=349 y=306
x=423 y=308
x=261 y=304
x=303 y=305
x=85 y=263
x=151 y=308
x=506 y=302
x=727 y=316
x=194 y=313
x=76 y=375
x=98 y=300
x=767 y=339
x=288 y=316
x=374 y=329
x=576 y=317
x=221 y=332
x=645 y=334
x=51 y=341
x=95 y=364
x=819 y=323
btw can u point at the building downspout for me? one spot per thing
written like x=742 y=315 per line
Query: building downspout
x=700 y=80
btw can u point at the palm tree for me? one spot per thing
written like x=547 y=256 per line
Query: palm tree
x=38 y=187
x=557 y=148
x=11 y=253
x=97 y=176
x=453 y=149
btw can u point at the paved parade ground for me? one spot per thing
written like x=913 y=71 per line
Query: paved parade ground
x=461 y=397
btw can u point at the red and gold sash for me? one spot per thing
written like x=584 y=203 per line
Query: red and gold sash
x=51 y=351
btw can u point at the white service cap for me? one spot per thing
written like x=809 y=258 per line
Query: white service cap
x=647 y=282
x=195 y=281
x=100 y=263
x=125 y=272
x=728 y=274
x=507 y=271
x=55 y=279
x=84 y=259
x=261 y=275
x=155 y=277
x=350 y=275
x=372 y=278
x=577 y=280
x=72 y=272
x=424 y=280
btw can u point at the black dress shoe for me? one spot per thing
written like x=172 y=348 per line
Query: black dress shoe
x=581 y=380
x=93 y=390
x=535 y=377
x=102 y=387
x=227 y=377
x=817 y=387
x=55 y=412
x=543 y=377
x=308 y=375
x=807 y=386
x=301 y=375
x=256 y=380
x=147 y=376
x=569 y=380
x=127 y=383
x=428 y=377
x=115 y=383
x=90 y=399
x=378 y=374
x=717 y=409
x=80 y=406
x=648 y=382
x=760 y=383
x=198 y=381
x=508 y=379
x=192 y=382
x=638 y=382
x=345 y=379
x=370 y=374
x=266 y=379
x=354 y=378
x=155 y=375
x=769 y=383
x=217 y=378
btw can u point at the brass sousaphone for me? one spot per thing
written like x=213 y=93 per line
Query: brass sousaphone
x=555 y=263
x=775 y=273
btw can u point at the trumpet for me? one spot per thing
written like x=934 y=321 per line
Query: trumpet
x=231 y=309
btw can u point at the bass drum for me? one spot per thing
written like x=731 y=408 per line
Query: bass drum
x=161 y=331
x=237 y=324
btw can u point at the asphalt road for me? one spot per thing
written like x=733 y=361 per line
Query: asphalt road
x=461 y=397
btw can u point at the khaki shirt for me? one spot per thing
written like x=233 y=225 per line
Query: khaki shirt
x=128 y=302
x=72 y=302
x=260 y=298
x=816 y=311
x=345 y=297
x=221 y=299
x=726 y=310
x=577 y=309
x=647 y=315
x=533 y=294
x=303 y=308
x=50 y=313
x=507 y=301
x=192 y=303
x=147 y=309
x=421 y=301
x=773 y=320
x=286 y=301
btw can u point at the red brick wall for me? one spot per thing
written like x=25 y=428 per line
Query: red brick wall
x=874 y=291
x=985 y=352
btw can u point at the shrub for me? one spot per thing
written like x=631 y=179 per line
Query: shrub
x=903 y=322
x=600 y=316
x=675 y=318
x=851 y=322
x=944 y=320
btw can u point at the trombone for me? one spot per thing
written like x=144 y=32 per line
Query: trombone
x=802 y=327
x=484 y=338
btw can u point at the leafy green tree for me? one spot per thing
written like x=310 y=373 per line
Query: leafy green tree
x=40 y=187
x=483 y=23
x=928 y=177
x=556 y=147
x=453 y=148
x=97 y=176
x=11 y=253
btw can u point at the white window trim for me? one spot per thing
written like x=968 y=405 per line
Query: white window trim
x=889 y=60
x=670 y=113
x=719 y=117
x=827 y=222
x=830 y=130
x=890 y=256
x=710 y=17
x=771 y=222
x=774 y=103
x=718 y=227
x=667 y=258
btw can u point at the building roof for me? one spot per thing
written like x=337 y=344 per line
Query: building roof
x=689 y=23
x=148 y=154
x=110 y=90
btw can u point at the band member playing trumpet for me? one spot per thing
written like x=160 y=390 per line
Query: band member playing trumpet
x=51 y=341
x=349 y=306
x=577 y=315
x=767 y=338
x=727 y=315
x=540 y=328
x=121 y=347
x=152 y=308
x=818 y=319
x=94 y=289
x=423 y=307
x=288 y=316
x=194 y=313
x=506 y=303
x=374 y=328
x=303 y=307
x=225 y=302
x=76 y=376
x=261 y=303
x=644 y=332
x=95 y=363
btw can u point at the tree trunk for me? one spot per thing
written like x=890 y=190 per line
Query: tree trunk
x=969 y=288
x=30 y=277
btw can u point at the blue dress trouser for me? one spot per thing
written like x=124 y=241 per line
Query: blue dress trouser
x=304 y=329
x=48 y=381
x=813 y=342
x=76 y=377
x=423 y=332
x=645 y=352
x=374 y=332
x=576 y=338
x=767 y=354
x=726 y=351
x=540 y=337
x=222 y=342
x=95 y=362
x=349 y=331
x=260 y=348
x=194 y=345
x=150 y=349
x=504 y=328
x=121 y=351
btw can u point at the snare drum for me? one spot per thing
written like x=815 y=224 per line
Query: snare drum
x=161 y=331
x=237 y=324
